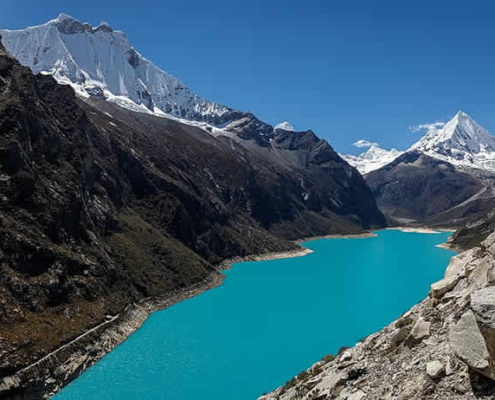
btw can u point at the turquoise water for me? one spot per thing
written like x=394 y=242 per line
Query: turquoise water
x=268 y=321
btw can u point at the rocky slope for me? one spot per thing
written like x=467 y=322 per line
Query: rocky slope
x=418 y=188
x=101 y=207
x=443 y=348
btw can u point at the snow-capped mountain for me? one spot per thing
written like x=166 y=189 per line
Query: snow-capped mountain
x=99 y=61
x=462 y=142
x=373 y=158
x=285 y=126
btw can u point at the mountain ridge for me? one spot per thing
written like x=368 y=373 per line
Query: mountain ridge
x=101 y=62
x=461 y=142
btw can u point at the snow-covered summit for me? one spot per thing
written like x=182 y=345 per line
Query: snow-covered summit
x=373 y=158
x=285 y=126
x=100 y=61
x=462 y=142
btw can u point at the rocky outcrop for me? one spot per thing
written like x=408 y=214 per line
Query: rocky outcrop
x=443 y=348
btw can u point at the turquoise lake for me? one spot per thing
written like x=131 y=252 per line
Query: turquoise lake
x=269 y=321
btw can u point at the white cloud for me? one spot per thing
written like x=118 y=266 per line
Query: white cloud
x=364 y=143
x=428 y=127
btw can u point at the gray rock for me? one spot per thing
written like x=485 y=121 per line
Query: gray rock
x=489 y=244
x=346 y=356
x=420 y=330
x=449 y=369
x=434 y=369
x=483 y=305
x=438 y=289
x=467 y=342
x=359 y=395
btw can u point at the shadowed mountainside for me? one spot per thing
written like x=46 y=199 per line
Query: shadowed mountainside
x=416 y=188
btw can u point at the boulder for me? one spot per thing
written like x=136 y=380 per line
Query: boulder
x=489 y=244
x=419 y=331
x=459 y=263
x=434 y=369
x=346 y=356
x=438 y=289
x=467 y=342
x=483 y=305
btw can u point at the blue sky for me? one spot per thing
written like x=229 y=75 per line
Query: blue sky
x=349 y=70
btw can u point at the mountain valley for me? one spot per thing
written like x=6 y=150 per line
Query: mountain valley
x=123 y=191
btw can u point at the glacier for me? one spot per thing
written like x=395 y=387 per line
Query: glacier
x=101 y=62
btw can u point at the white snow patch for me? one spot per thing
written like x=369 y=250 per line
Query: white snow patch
x=285 y=126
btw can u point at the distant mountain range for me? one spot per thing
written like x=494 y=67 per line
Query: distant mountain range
x=461 y=142
x=373 y=158
x=444 y=179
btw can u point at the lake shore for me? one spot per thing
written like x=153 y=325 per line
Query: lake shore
x=349 y=236
x=298 y=252
x=57 y=369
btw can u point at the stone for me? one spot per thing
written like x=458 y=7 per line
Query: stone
x=459 y=263
x=449 y=369
x=420 y=330
x=479 y=277
x=434 y=369
x=438 y=289
x=346 y=356
x=331 y=382
x=467 y=342
x=359 y=395
x=483 y=305
x=489 y=244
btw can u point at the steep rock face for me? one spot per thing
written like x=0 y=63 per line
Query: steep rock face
x=417 y=187
x=443 y=348
x=101 y=207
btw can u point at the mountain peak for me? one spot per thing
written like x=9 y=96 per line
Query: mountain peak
x=62 y=17
x=285 y=126
x=100 y=62
x=461 y=141
x=373 y=158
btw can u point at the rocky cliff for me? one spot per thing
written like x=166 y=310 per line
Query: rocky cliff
x=442 y=348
